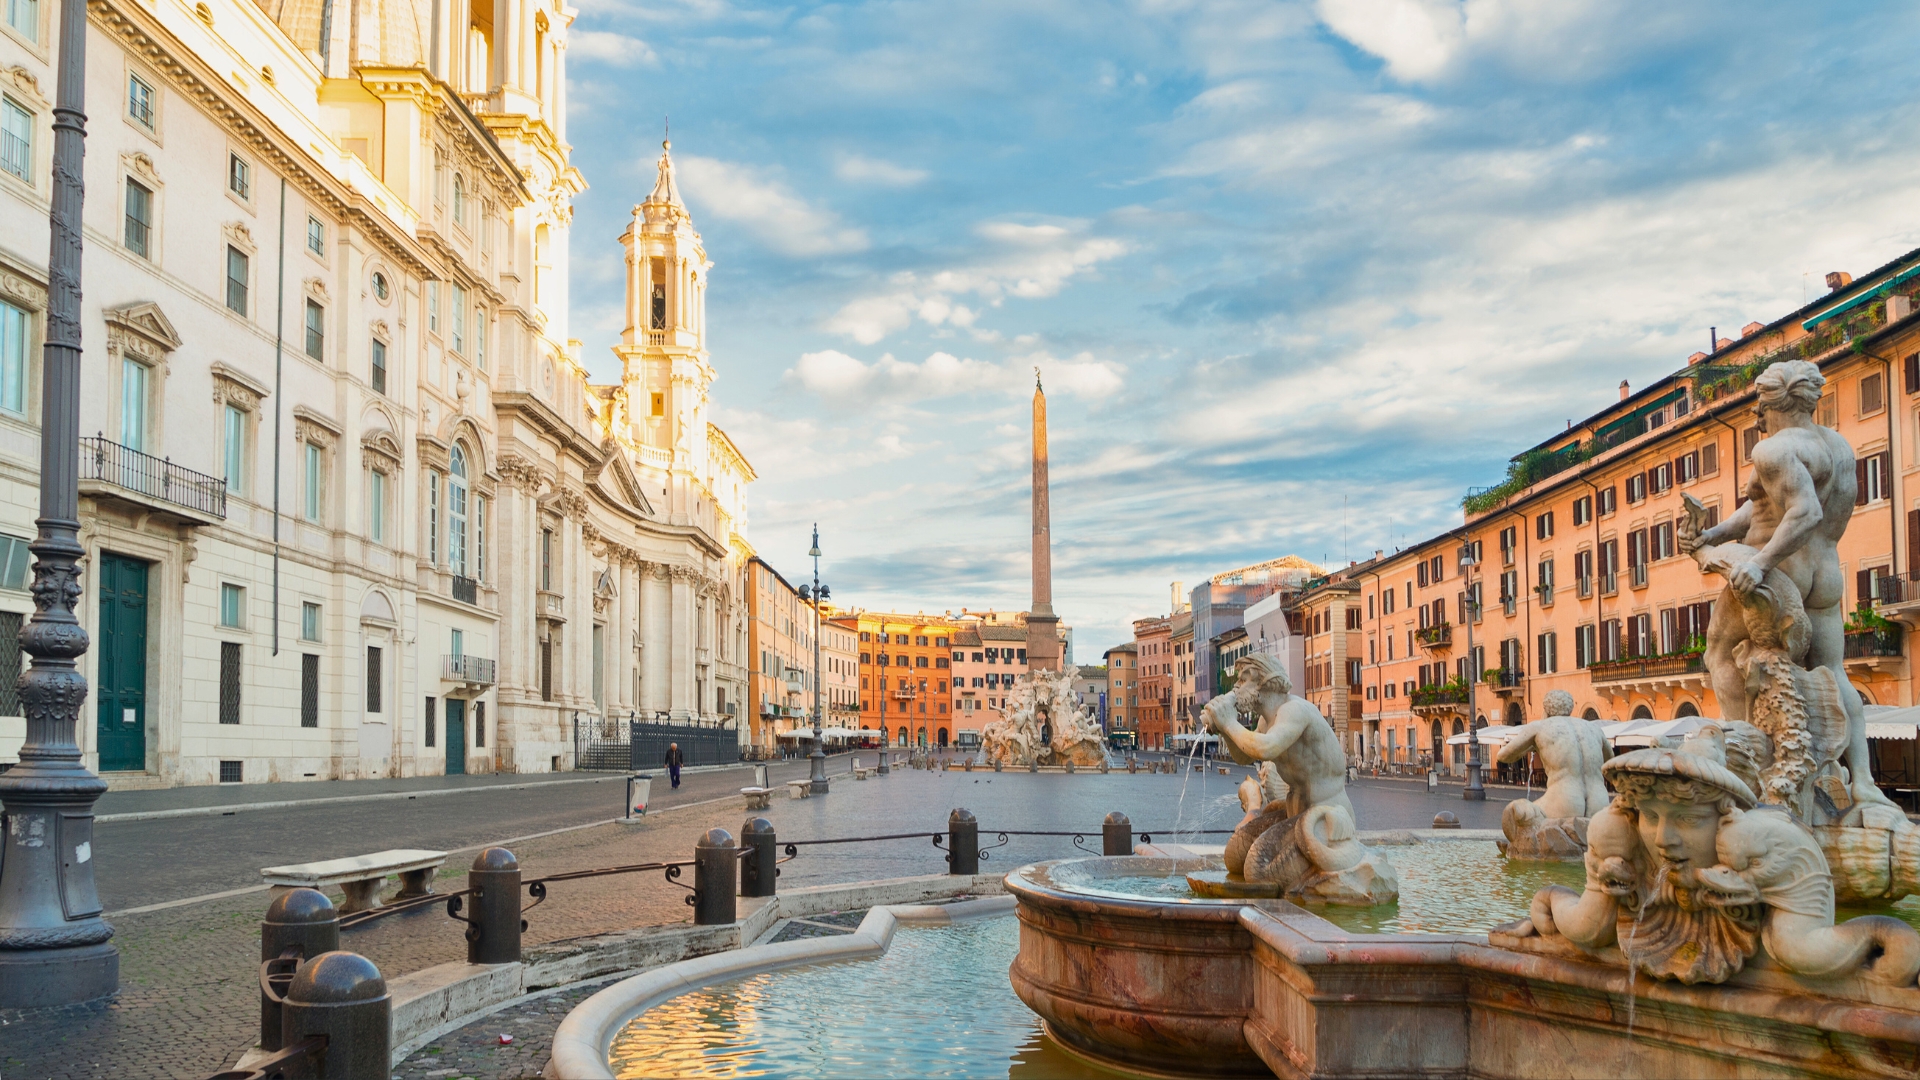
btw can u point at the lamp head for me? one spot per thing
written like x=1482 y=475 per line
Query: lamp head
x=814 y=551
x=1467 y=560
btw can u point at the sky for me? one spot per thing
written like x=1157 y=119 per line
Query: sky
x=1297 y=274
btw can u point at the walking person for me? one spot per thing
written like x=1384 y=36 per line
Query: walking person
x=673 y=763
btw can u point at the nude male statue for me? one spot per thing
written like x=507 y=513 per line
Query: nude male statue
x=1571 y=751
x=1799 y=501
x=1292 y=735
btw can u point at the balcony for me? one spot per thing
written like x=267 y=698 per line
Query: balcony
x=1429 y=699
x=1650 y=675
x=1504 y=680
x=109 y=470
x=1438 y=636
x=1879 y=648
x=550 y=605
x=466 y=590
x=474 y=671
x=902 y=695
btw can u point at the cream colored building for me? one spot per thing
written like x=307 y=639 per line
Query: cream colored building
x=473 y=545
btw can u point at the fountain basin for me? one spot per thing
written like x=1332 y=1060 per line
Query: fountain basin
x=1238 y=988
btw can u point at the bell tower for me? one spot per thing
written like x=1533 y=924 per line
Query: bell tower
x=665 y=372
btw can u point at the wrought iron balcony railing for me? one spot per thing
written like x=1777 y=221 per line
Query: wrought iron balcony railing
x=155 y=478
x=1437 y=636
x=1874 y=643
x=1658 y=667
x=465 y=589
x=474 y=670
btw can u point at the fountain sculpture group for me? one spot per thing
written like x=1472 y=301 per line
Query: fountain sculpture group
x=1042 y=724
x=1712 y=871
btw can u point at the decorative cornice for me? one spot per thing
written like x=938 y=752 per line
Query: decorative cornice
x=230 y=387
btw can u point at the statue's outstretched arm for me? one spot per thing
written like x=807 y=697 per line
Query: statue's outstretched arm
x=1518 y=747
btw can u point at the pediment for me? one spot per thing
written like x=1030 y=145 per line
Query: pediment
x=147 y=322
x=625 y=485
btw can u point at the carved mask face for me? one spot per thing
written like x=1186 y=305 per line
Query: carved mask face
x=1681 y=833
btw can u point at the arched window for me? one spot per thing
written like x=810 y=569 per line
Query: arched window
x=1687 y=708
x=1591 y=713
x=1641 y=712
x=459 y=200
x=457 y=511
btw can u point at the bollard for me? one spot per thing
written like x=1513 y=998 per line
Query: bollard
x=1069 y=768
x=1446 y=819
x=996 y=765
x=758 y=870
x=1116 y=835
x=341 y=995
x=300 y=920
x=1033 y=766
x=493 y=930
x=963 y=843
x=884 y=755
x=1133 y=766
x=716 y=863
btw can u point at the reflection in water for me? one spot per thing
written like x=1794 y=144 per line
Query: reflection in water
x=938 y=1004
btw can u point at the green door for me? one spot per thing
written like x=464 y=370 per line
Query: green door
x=456 y=736
x=123 y=664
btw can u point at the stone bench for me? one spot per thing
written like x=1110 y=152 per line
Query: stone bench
x=758 y=798
x=861 y=772
x=360 y=876
x=799 y=789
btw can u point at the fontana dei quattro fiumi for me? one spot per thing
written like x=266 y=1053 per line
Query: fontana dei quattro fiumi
x=1727 y=904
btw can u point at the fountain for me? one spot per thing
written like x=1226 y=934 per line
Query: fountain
x=1041 y=724
x=1703 y=940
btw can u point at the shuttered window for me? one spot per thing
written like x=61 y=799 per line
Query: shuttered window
x=428 y=727
x=309 y=690
x=10 y=662
x=229 y=682
x=1911 y=365
x=479 y=723
x=546 y=671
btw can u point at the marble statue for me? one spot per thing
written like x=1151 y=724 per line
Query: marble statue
x=1776 y=641
x=1301 y=844
x=1553 y=827
x=1689 y=875
x=1042 y=724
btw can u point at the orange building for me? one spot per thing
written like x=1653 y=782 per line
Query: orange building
x=1332 y=632
x=1123 y=688
x=1576 y=581
x=1153 y=650
x=905 y=676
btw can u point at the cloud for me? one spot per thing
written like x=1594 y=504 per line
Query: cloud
x=766 y=208
x=845 y=380
x=866 y=170
x=1026 y=261
x=1416 y=38
x=619 y=50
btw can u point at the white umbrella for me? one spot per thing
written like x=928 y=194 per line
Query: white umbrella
x=1488 y=735
x=1679 y=727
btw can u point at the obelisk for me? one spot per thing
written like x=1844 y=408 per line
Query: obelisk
x=1043 y=626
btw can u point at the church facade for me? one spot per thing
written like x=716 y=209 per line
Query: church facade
x=352 y=506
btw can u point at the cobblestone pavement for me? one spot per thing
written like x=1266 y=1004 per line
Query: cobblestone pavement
x=187 y=1004
x=476 y=1052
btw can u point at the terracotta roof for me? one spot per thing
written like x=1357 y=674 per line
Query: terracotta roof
x=965 y=637
x=1003 y=633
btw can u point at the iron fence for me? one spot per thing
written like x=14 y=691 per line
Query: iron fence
x=156 y=478
x=623 y=743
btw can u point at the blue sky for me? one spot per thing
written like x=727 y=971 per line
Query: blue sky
x=1299 y=273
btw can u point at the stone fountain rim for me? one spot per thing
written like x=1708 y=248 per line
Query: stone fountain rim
x=585 y=1037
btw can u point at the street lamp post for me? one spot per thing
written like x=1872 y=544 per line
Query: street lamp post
x=54 y=947
x=1473 y=792
x=816 y=596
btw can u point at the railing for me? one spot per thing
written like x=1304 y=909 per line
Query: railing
x=462 y=668
x=1865 y=644
x=1546 y=594
x=1609 y=584
x=656 y=337
x=1636 y=668
x=155 y=478
x=1437 y=636
x=1637 y=576
x=465 y=589
x=1439 y=695
x=1888 y=589
x=1583 y=586
x=1505 y=678
x=552 y=603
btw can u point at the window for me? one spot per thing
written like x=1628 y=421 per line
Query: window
x=428 y=727
x=480 y=338
x=309 y=621
x=1873 y=478
x=1873 y=396
x=457 y=642
x=309 y=690
x=375 y=678
x=1583 y=646
x=236 y=281
x=459 y=200
x=1610 y=640
x=1546 y=576
x=1543 y=526
x=316 y=236
x=1547 y=653
x=1607 y=500
x=314 y=476
x=459 y=315
x=229 y=682
x=480 y=538
x=239 y=176
x=1660 y=477
x=24 y=16
x=433 y=307
x=546 y=559
x=1636 y=488
x=138 y=231
x=140 y=102
x=1640 y=636
x=1509 y=539
x=14 y=558
x=1582 y=510
x=16 y=140
x=1663 y=540
x=234 y=449
x=377 y=374
x=380 y=291
x=457 y=512
x=1749 y=438
x=377 y=506
x=1710 y=459
x=233 y=600
x=433 y=517
x=316 y=330
x=14 y=345
x=133 y=404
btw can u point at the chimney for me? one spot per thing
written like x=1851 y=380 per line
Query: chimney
x=1378 y=553
x=1838 y=280
x=1751 y=329
x=1624 y=392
